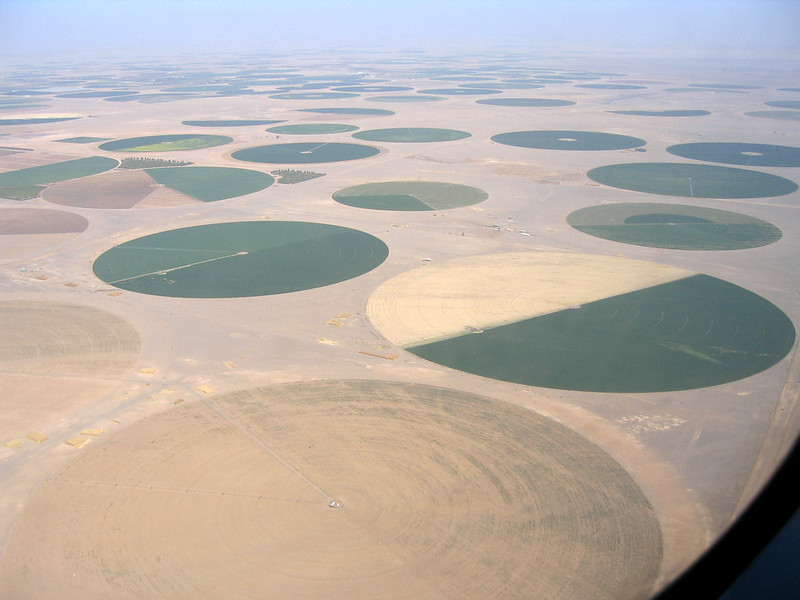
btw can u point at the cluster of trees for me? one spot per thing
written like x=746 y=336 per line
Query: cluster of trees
x=138 y=162
x=292 y=176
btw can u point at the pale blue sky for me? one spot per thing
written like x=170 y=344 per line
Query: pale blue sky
x=29 y=27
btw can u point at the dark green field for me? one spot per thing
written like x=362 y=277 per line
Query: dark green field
x=692 y=181
x=347 y=111
x=410 y=195
x=662 y=113
x=231 y=122
x=531 y=102
x=737 y=153
x=312 y=128
x=691 y=333
x=461 y=91
x=211 y=183
x=62 y=171
x=674 y=226
x=405 y=98
x=568 y=140
x=313 y=95
x=304 y=153
x=241 y=259
x=34 y=120
x=411 y=134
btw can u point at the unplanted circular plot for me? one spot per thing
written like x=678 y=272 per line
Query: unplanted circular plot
x=166 y=143
x=410 y=195
x=692 y=181
x=528 y=102
x=24 y=230
x=56 y=360
x=240 y=259
x=737 y=153
x=674 y=226
x=411 y=134
x=339 y=489
x=20 y=221
x=305 y=152
x=568 y=140
x=312 y=128
x=581 y=322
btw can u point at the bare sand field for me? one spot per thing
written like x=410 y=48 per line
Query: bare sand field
x=351 y=489
x=153 y=446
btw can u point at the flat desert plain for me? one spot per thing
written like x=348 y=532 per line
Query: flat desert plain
x=287 y=445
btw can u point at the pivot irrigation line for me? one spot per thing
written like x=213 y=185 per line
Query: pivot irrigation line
x=165 y=271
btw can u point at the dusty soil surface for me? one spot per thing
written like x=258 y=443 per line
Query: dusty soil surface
x=347 y=489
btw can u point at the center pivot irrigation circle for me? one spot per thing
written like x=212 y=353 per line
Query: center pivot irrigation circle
x=330 y=488
x=755 y=155
x=692 y=180
x=410 y=195
x=305 y=152
x=674 y=226
x=166 y=143
x=312 y=128
x=411 y=134
x=581 y=322
x=568 y=140
x=240 y=259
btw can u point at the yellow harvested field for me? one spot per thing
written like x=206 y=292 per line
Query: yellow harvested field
x=439 y=301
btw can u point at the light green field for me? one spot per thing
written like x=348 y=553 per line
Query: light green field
x=166 y=143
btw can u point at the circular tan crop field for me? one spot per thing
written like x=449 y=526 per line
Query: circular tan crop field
x=439 y=301
x=338 y=489
x=57 y=357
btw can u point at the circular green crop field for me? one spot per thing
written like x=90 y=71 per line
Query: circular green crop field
x=348 y=111
x=568 y=140
x=405 y=99
x=692 y=181
x=662 y=113
x=529 y=102
x=373 y=88
x=304 y=153
x=313 y=95
x=755 y=155
x=34 y=120
x=461 y=91
x=581 y=322
x=780 y=115
x=410 y=195
x=791 y=104
x=240 y=259
x=166 y=143
x=411 y=134
x=312 y=128
x=611 y=86
x=231 y=122
x=674 y=226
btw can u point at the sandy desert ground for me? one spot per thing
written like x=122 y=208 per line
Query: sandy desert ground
x=156 y=446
